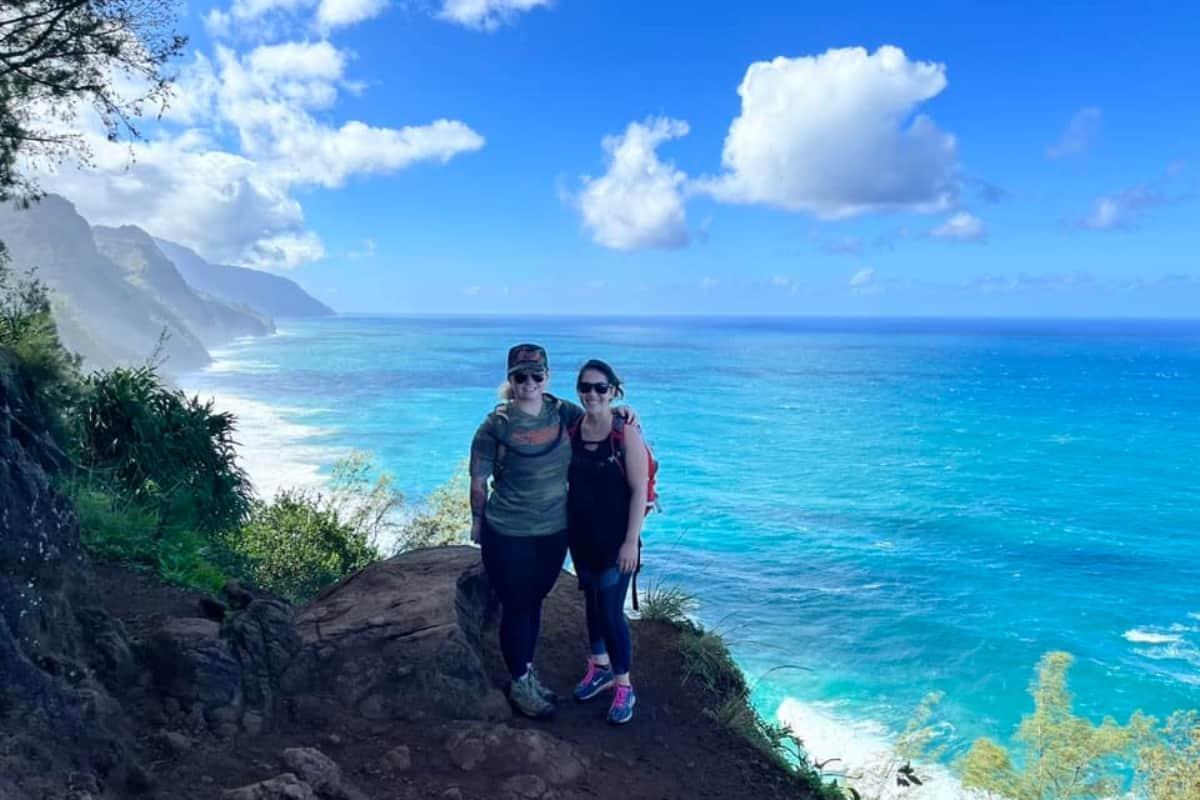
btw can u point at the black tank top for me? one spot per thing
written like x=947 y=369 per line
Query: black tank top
x=597 y=503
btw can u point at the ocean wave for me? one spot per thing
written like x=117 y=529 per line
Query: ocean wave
x=865 y=753
x=277 y=452
x=1139 y=636
x=228 y=365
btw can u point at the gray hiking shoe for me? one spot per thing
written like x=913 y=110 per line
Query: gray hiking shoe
x=545 y=691
x=524 y=697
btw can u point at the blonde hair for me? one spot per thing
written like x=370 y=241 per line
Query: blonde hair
x=505 y=391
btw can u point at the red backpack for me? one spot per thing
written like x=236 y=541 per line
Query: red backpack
x=617 y=437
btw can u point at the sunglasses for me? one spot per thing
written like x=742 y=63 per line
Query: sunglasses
x=536 y=377
x=599 y=388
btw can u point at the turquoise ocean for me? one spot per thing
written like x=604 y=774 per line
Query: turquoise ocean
x=868 y=510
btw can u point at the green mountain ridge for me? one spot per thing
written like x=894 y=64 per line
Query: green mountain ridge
x=100 y=314
x=146 y=267
x=116 y=290
x=263 y=292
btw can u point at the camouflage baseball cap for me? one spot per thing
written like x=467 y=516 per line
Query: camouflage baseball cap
x=531 y=357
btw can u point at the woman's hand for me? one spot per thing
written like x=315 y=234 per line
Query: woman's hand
x=631 y=417
x=627 y=558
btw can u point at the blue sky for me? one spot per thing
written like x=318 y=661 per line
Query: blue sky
x=996 y=161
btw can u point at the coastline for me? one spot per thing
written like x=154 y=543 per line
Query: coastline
x=279 y=450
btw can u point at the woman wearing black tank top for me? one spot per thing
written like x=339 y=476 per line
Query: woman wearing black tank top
x=606 y=505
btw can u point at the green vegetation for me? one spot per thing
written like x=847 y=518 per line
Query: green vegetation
x=445 y=518
x=162 y=448
x=708 y=664
x=156 y=484
x=50 y=373
x=1060 y=755
x=661 y=602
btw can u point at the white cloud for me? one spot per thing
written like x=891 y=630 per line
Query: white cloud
x=709 y=283
x=831 y=134
x=486 y=15
x=238 y=204
x=638 y=202
x=1121 y=210
x=339 y=13
x=962 y=226
x=1078 y=136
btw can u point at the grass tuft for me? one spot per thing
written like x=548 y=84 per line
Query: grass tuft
x=669 y=604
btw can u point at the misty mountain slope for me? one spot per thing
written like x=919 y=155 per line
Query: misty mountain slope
x=146 y=267
x=100 y=314
x=263 y=292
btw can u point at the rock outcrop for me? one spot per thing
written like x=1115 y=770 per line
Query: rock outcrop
x=58 y=647
x=400 y=640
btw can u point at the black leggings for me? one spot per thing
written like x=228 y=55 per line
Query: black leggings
x=522 y=570
x=607 y=629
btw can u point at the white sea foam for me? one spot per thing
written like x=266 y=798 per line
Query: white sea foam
x=865 y=753
x=1139 y=636
x=277 y=452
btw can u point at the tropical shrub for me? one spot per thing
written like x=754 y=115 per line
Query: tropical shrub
x=1060 y=756
x=1169 y=758
x=299 y=544
x=445 y=519
x=49 y=371
x=118 y=528
x=163 y=448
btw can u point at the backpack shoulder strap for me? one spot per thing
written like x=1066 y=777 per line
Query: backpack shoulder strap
x=500 y=429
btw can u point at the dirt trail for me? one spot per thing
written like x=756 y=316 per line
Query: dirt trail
x=670 y=750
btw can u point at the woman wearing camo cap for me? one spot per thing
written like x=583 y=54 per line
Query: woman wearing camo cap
x=524 y=447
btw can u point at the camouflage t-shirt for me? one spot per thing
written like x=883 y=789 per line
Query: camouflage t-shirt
x=527 y=457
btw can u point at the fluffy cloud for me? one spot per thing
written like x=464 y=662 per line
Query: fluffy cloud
x=270 y=18
x=338 y=13
x=638 y=202
x=962 y=226
x=1080 y=131
x=831 y=134
x=237 y=205
x=486 y=15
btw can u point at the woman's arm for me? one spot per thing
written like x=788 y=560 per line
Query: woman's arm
x=575 y=411
x=484 y=449
x=637 y=470
x=478 y=504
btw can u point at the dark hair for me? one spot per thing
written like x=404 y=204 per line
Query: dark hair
x=610 y=375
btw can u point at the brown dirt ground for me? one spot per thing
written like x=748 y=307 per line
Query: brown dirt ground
x=670 y=750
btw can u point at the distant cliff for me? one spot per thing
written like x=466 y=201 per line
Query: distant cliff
x=261 y=291
x=100 y=314
x=146 y=267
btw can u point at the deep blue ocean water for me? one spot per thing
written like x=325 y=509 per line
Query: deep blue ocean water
x=868 y=509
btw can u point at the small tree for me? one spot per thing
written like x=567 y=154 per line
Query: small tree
x=445 y=518
x=299 y=544
x=1169 y=759
x=56 y=55
x=1062 y=756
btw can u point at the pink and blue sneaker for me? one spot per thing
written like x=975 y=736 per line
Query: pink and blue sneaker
x=621 y=710
x=594 y=681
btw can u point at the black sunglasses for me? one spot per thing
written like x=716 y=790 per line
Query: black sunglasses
x=599 y=388
x=521 y=377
